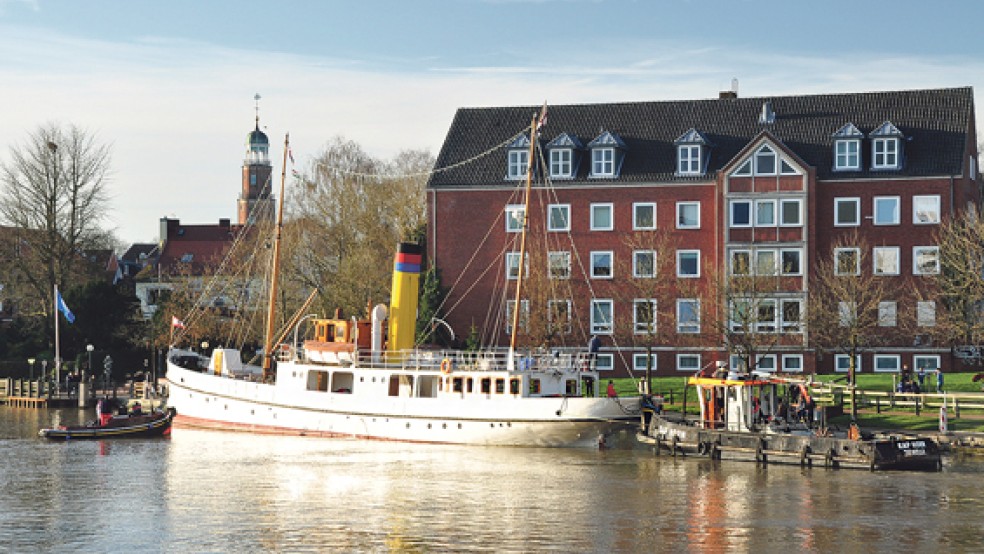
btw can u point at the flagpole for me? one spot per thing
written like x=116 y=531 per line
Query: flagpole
x=54 y=299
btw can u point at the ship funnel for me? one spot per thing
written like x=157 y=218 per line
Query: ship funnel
x=403 y=299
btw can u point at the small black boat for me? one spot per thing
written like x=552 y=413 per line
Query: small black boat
x=154 y=424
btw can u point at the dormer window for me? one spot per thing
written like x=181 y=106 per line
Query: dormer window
x=847 y=148
x=765 y=161
x=886 y=147
x=519 y=158
x=563 y=158
x=692 y=150
x=607 y=153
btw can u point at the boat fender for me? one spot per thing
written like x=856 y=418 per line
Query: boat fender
x=700 y=448
x=804 y=452
x=715 y=452
x=674 y=445
x=446 y=366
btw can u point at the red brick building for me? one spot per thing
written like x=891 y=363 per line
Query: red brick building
x=730 y=185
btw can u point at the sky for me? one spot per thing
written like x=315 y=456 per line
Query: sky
x=170 y=86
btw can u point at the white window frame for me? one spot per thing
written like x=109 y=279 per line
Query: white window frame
x=602 y=327
x=564 y=259
x=927 y=361
x=635 y=264
x=878 y=252
x=769 y=358
x=743 y=170
x=640 y=327
x=604 y=362
x=895 y=215
x=885 y=153
x=512 y=265
x=565 y=327
x=919 y=199
x=762 y=265
x=888 y=313
x=518 y=164
x=838 y=358
x=561 y=163
x=680 y=206
x=782 y=212
x=679 y=264
x=782 y=264
x=763 y=325
x=524 y=314
x=747 y=254
x=857 y=212
x=765 y=207
x=595 y=225
x=847 y=313
x=847 y=154
x=635 y=216
x=786 y=358
x=926 y=313
x=857 y=260
x=597 y=254
x=916 y=251
x=788 y=326
x=688 y=159
x=764 y=152
x=603 y=162
x=731 y=214
x=639 y=361
x=515 y=216
x=884 y=357
x=681 y=358
x=564 y=211
x=688 y=327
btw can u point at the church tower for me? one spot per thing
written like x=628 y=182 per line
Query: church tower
x=256 y=200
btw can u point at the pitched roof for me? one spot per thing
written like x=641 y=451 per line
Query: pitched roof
x=194 y=248
x=934 y=123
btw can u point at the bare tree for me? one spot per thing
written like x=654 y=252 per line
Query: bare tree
x=959 y=286
x=850 y=308
x=53 y=195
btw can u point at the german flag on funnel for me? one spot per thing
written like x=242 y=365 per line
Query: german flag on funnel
x=408 y=258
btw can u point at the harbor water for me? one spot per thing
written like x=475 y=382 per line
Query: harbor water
x=206 y=491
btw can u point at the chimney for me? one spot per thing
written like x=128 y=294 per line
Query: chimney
x=224 y=223
x=727 y=94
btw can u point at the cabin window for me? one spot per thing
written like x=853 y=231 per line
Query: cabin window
x=514 y=386
x=458 y=384
x=317 y=380
x=570 y=387
x=535 y=386
x=469 y=385
x=500 y=386
x=486 y=385
x=342 y=382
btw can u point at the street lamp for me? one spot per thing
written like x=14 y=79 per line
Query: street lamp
x=89 y=348
x=31 y=362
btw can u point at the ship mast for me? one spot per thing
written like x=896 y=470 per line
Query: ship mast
x=534 y=131
x=275 y=271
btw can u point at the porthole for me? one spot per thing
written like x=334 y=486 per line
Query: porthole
x=444 y=426
x=428 y=425
x=459 y=426
x=252 y=412
x=408 y=425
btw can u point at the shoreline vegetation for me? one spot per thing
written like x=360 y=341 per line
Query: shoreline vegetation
x=875 y=412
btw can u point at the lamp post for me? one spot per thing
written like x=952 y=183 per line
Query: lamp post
x=89 y=348
x=30 y=361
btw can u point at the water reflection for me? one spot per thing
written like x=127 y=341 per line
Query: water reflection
x=219 y=492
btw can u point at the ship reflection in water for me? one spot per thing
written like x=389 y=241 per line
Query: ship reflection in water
x=205 y=491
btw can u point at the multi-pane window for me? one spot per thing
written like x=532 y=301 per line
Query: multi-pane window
x=688 y=315
x=925 y=363
x=639 y=362
x=765 y=161
x=524 y=314
x=792 y=363
x=887 y=362
x=926 y=313
x=688 y=362
x=602 y=316
x=644 y=315
x=925 y=260
x=741 y=213
x=791 y=260
x=644 y=263
x=512 y=265
x=603 y=162
x=559 y=217
x=842 y=362
x=847 y=154
x=688 y=263
x=847 y=261
x=766 y=319
x=518 y=163
x=765 y=262
x=560 y=162
x=886 y=260
x=601 y=264
x=847 y=212
x=605 y=362
x=885 y=153
x=926 y=209
x=887 y=210
x=602 y=218
x=689 y=159
x=644 y=216
x=688 y=215
x=888 y=313
x=741 y=262
x=559 y=265
x=559 y=316
x=791 y=212
x=515 y=215
x=766 y=362
x=791 y=313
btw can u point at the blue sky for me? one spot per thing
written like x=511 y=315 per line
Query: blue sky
x=170 y=85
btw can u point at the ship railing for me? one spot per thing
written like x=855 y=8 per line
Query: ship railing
x=482 y=360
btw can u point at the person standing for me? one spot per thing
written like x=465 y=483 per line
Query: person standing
x=939 y=380
x=611 y=389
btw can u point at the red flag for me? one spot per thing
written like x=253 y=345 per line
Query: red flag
x=175 y=322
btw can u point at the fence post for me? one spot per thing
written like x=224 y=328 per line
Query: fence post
x=917 y=405
x=956 y=407
x=878 y=404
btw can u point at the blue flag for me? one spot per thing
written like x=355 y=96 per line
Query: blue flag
x=60 y=302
